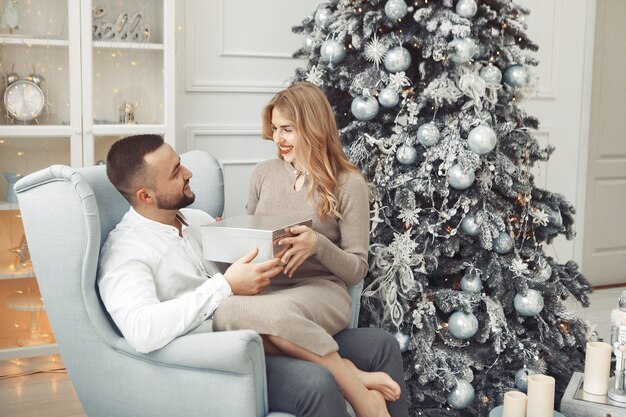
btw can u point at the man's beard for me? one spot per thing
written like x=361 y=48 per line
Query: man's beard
x=172 y=203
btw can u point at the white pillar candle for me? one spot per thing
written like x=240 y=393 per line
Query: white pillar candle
x=597 y=368
x=514 y=404
x=540 y=401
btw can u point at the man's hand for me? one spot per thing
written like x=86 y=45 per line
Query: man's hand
x=246 y=278
x=301 y=245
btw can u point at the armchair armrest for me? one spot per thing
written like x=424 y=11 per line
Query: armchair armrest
x=237 y=352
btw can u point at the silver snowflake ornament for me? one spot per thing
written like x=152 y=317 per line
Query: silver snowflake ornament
x=399 y=80
x=375 y=50
x=519 y=267
x=540 y=217
x=314 y=76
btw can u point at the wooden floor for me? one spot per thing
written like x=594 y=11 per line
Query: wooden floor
x=51 y=393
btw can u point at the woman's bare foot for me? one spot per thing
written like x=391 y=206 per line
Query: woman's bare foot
x=372 y=406
x=378 y=381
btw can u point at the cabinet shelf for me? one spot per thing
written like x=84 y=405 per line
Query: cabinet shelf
x=49 y=131
x=28 y=41
x=28 y=351
x=6 y=272
x=128 y=129
x=127 y=45
x=8 y=206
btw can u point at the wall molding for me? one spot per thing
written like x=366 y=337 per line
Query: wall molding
x=194 y=83
x=550 y=92
x=192 y=132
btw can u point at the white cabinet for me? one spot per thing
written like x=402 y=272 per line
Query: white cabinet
x=106 y=70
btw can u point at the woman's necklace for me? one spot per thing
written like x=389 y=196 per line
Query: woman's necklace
x=300 y=179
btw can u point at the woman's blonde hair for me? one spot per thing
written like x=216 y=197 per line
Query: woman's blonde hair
x=318 y=148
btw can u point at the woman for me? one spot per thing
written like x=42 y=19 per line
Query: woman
x=303 y=307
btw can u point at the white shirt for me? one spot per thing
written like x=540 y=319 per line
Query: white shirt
x=155 y=283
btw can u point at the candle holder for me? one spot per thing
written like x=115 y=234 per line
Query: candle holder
x=618 y=339
x=34 y=305
x=497 y=412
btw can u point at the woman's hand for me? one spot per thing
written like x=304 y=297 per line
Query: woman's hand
x=302 y=243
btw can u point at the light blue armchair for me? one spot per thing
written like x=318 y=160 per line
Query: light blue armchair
x=67 y=214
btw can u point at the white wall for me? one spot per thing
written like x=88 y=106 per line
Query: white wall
x=230 y=61
x=232 y=57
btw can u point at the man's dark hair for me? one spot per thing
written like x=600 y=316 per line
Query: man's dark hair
x=126 y=165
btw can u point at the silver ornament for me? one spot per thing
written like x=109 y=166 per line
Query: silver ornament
x=332 y=52
x=502 y=243
x=406 y=154
x=479 y=51
x=462 y=395
x=460 y=179
x=364 y=108
x=396 y=9
x=544 y=273
x=469 y=225
x=466 y=8
x=462 y=325
x=521 y=378
x=403 y=341
x=322 y=17
x=471 y=283
x=346 y=149
x=308 y=43
x=529 y=304
x=388 y=97
x=481 y=139
x=491 y=74
x=515 y=75
x=397 y=59
x=464 y=50
x=428 y=134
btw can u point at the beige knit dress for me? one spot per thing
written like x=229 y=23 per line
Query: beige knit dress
x=313 y=305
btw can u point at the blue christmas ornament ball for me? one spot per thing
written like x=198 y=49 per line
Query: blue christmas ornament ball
x=521 y=378
x=332 y=52
x=428 y=134
x=529 y=304
x=462 y=395
x=396 y=9
x=406 y=154
x=464 y=50
x=308 y=43
x=403 y=340
x=388 y=97
x=462 y=325
x=460 y=179
x=503 y=243
x=397 y=59
x=544 y=272
x=471 y=283
x=516 y=75
x=466 y=8
x=491 y=74
x=364 y=108
x=469 y=225
x=322 y=17
x=481 y=139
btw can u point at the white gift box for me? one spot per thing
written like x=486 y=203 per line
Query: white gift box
x=232 y=238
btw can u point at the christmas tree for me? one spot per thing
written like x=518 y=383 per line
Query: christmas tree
x=428 y=99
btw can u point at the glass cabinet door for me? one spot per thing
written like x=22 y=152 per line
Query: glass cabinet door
x=124 y=71
x=35 y=62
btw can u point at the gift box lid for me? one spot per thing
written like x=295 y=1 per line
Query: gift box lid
x=264 y=227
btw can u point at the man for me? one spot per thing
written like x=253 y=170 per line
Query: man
x=156 y=285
